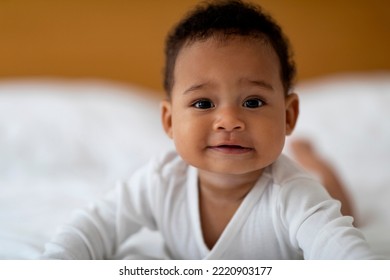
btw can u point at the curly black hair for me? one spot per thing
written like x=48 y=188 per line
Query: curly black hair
x=228 y=18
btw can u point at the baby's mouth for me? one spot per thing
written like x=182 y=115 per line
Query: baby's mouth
x=231 y=149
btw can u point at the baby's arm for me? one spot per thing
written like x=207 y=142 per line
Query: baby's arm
x=93 y=233
x=316 y=226
x=97 y=231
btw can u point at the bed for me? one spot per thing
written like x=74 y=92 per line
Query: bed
x=64 y=143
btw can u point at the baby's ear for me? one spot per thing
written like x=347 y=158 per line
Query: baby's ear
x=166 y=117
x=292 y=112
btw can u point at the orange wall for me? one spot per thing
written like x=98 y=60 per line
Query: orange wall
x=123 y=40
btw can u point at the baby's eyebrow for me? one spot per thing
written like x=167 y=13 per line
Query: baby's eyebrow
x=251 y=82
x=259 y=83
x=194 y=88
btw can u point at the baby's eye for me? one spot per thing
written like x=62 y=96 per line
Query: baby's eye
x=203 y=104
x=253 y=103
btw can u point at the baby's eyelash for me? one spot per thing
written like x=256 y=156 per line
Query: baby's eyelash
x=202 y=104
x=253 y=102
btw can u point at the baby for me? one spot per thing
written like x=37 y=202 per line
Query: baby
x=226 y=192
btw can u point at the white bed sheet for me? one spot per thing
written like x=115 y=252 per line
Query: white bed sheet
x=63 y=144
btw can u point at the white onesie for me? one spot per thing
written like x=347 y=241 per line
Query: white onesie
x=287 y=215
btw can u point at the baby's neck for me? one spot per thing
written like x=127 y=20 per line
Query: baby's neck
x=227 y=188
x=219 y=198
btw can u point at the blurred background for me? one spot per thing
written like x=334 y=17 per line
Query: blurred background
x=123 y=40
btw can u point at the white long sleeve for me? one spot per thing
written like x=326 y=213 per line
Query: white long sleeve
x=287 y=215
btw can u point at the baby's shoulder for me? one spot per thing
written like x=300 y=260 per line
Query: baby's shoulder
x=290 y=178
x=285 y=171
x=167 y=164
x=296 y=190
x=162 y=172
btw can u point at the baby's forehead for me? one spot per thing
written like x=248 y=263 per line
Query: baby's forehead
x=230 y=48
x=218 y=44
x=233 y=62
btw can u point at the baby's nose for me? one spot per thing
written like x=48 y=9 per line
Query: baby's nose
x=228 y=119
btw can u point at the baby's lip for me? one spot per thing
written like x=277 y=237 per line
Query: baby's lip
x=231 y=148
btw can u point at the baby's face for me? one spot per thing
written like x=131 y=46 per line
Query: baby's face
x=228 y=110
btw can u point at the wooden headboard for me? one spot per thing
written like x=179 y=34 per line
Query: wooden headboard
x=123 y=40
